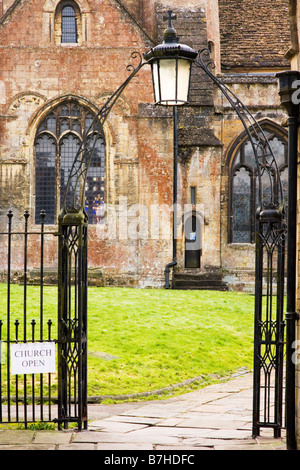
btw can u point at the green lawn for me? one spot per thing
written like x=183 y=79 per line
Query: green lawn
x=142 y=340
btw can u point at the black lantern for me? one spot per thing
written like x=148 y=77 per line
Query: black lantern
x=171 y=68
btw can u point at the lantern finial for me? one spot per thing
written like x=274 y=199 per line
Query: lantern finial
x=171 y=68
x=170 y=34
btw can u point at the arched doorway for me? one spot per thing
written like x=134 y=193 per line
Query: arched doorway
x=193 y=242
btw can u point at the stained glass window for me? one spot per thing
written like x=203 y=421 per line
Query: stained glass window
x=244 y=183
x=45 y=154
x=58 y=139
x=241 y=206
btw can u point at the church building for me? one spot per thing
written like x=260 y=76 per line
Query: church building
x=60 y=62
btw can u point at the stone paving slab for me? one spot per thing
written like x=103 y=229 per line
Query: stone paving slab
x=52 y=437
x=131 y=419
x=81 y=447
x=16 y=447
x=158 y=411
x=208 y=421
x=121 y=446
x=218 y=417
x=117 y=426
x=16 y=436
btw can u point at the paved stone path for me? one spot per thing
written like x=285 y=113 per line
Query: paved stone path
x=218 y=417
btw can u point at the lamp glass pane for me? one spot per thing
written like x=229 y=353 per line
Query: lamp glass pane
x=155 y=75
x=183 y=80
x=167 y=72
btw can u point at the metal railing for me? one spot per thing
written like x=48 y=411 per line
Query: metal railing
x=24 y=398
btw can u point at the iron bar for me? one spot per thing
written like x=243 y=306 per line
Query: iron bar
x=173 y=263
x=9 y=215
x=291 y=314
x=42 y=228
x=286 y=89
x=33 y=323
x=17 y=377
x=49 y=323
x=26 y=215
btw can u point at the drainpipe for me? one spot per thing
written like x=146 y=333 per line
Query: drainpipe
x=287 y=87
x=173 y=263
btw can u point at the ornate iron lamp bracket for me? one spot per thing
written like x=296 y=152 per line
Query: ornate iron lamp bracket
x=270 y=245
x=264 y=156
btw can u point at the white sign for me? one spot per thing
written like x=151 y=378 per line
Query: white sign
x=32 y=358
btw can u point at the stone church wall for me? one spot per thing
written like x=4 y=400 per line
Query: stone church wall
x=38 y=73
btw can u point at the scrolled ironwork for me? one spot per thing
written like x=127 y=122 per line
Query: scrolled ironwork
x=73 y=201
x=130 y=67
x=264 y=155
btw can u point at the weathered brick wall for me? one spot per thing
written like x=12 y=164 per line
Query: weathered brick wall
x=37 y=73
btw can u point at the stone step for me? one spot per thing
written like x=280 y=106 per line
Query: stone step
x=201 y=276
x=213 y=288
x=195 y=282
x=202 y=281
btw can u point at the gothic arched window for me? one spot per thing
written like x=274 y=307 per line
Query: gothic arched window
x=56 y=143
x=243 y=182
x=68 y=24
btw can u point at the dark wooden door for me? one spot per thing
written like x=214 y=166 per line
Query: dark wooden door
x=192 y=231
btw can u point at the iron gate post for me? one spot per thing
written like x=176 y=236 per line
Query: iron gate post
x=72 y=320
x=268 y=322
x=288 y=84
x=258 y=315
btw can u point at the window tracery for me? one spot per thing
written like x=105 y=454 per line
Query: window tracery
x=68 y=23
x=56 y=143
x=243 y=183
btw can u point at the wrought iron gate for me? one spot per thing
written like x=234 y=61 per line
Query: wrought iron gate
x=269 y=323
x=24 y=398
x=70 y=335
x=44 y=397
x=271 y=232
x=72 y=272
